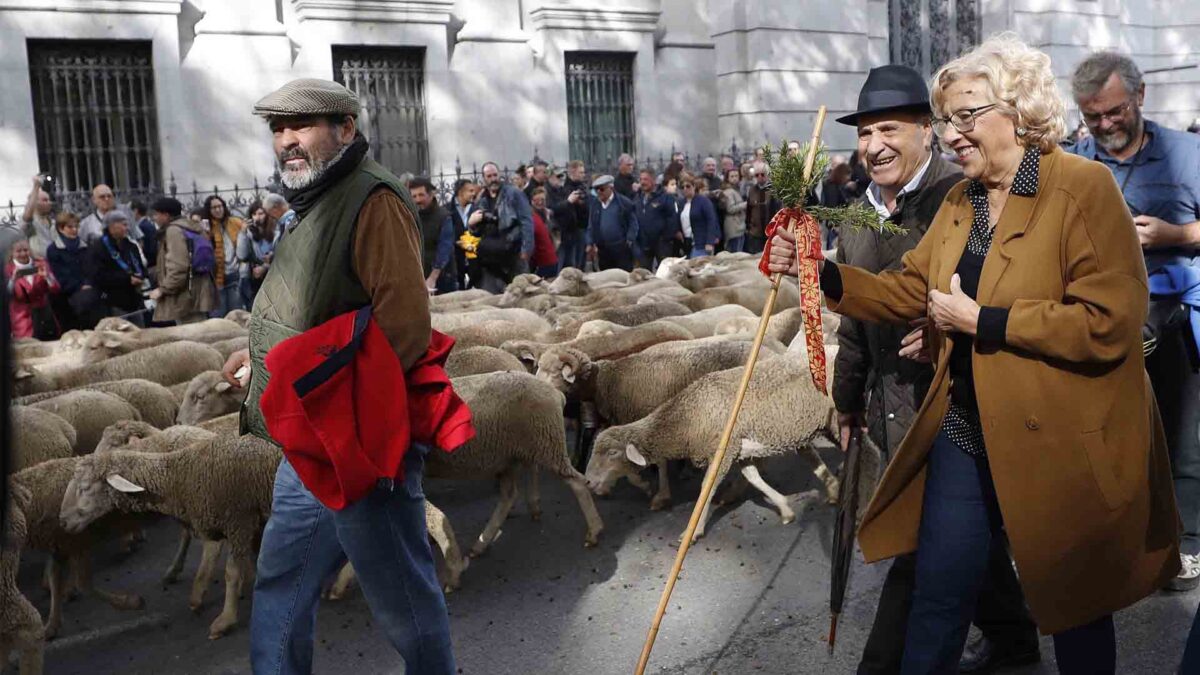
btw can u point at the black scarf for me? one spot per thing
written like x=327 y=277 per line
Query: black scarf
x=304 y=199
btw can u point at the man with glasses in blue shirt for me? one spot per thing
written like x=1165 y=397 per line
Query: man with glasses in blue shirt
x=1158 y=170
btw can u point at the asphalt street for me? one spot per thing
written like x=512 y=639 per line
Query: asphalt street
x=753 y=598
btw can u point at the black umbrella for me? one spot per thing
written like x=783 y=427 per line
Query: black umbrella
x=843 y=531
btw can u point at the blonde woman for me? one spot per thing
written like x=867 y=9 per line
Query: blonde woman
x=1039 y=430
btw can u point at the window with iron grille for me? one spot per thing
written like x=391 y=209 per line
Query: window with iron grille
x=390 y=84
x=94 y=114
x=600 y=106
x=926 y=34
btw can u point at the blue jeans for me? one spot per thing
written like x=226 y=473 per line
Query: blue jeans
x=229 y=297
x=960 y=525
x=384 y=536
x=1191 y=652
x=697 y=252
x=571 y=252
x=735 y=244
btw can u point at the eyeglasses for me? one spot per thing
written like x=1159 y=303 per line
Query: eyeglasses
x=1112 y=114
x=963 y=120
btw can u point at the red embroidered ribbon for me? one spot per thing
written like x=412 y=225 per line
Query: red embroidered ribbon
x=808 y=248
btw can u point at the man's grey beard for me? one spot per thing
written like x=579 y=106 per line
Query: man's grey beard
x=298 y=180
x=1119 y=141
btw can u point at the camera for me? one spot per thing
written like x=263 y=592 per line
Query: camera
x=48 y=184
x=490 y=217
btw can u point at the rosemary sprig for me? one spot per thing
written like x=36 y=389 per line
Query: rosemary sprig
x=792 y=189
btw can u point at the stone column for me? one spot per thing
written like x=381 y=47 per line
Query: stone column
x=778 y=60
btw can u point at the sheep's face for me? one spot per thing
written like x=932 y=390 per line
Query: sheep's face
x=563 y=370
x=92 y=493
x=739 y=324
x=640 y=274
x=599 y=327
x=208 y=396
x=612 y=459
x=27 y=380
x=101 y=345
x=239 y=316
x=525 y=351
x=120 y=434
x=524 y=286
x=113 y=323
x=570 y=281
x=72 y=340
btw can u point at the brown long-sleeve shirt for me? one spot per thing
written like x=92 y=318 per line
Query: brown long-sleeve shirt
x=387 y=260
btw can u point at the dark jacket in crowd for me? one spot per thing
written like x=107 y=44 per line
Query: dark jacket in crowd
x=514 y=214
x=67 y=258
x=870 y=375
x=149 y=240
x=607 y=228
x=112 y=274
x=658 y=218
x=706 y=227
x=431 y=222
x=460 y=227
x=572 y=219
x=761 y=206
x=623 y=185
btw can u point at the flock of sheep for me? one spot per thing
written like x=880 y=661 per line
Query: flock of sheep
x=117 y=424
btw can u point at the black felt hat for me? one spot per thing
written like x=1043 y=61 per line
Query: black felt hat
x=890 y=88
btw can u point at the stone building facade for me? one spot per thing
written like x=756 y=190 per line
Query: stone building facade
x=132 y=92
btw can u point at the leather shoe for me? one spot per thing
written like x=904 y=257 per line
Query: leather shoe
x=984 y=656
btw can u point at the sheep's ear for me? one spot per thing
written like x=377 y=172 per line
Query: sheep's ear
x=634 y=456
x=22 y=374
x=528 y=356
x=119 y=483
x=568 y=374
x=222 y=387
x=111 y=344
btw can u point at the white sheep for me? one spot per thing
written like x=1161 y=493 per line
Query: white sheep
x=489 y=334
x=705 y=322
x=446 y=323
x=573 y=281
x=208 y=396
x=227 y=347
x=67 y=549
x=750 y=294
x=783 y=412
x=101 y=345
x=459 y=297
x=600 y=327
x=89 y=412
x=239 y=316
x=156 y=403
x=219 y=490
x=20 y=623
x=503 y=442
x=39 y=436
x=195 y=332
x=479 y=360
x=602 y=346
x=625 y=315
x=165 y=364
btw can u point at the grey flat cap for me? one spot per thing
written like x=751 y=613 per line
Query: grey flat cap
x=602 y=181
x=115 y=216
x=308 y=96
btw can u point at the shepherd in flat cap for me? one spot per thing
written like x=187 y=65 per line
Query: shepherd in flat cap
x=612 y=227
x=882 y=373
x=355 y=245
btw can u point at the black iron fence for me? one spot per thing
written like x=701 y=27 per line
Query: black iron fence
x=240 y=196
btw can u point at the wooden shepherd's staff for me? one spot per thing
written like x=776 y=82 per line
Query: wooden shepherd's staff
x=710 y=476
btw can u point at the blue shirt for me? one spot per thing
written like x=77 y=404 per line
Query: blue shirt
x=1162 y=180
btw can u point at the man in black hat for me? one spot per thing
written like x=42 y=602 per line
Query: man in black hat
x=882 y=373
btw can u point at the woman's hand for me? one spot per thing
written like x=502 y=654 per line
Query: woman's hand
x=955 y=312
x=912 y=346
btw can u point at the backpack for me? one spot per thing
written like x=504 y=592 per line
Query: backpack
x=200 y=250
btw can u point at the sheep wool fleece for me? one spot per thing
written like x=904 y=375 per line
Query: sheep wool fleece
x=312 y=279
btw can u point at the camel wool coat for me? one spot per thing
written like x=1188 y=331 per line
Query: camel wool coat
x=1074 y=441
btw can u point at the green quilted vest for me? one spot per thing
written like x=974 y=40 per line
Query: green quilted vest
x=312 y=278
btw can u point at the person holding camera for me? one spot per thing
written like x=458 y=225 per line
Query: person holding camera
x=255 y=250
x=39 y=216
x=30 y=285
x=505 y=223
x=612 y=232
x=571 y=214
